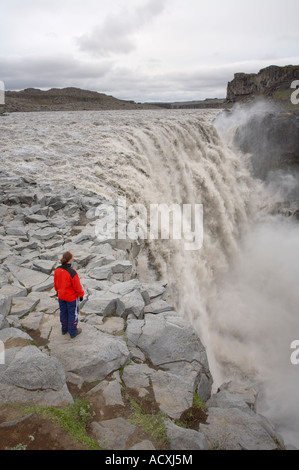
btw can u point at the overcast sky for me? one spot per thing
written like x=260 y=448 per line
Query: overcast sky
x=144 y=50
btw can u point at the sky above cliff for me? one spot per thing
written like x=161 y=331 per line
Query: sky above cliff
x=144 y=50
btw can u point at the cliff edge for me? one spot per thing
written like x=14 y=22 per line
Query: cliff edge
x=273 y=82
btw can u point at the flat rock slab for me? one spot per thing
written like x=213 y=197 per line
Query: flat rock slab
x=92 y=355
x=23 y=305
x=28 y=277
x=166 y=338
x=46 y=303
x=11 y=290
x=45 y=233
x=43 y=265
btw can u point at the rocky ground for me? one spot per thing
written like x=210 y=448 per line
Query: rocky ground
x=138 y=368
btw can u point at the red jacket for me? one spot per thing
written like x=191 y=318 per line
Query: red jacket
x=67 y=283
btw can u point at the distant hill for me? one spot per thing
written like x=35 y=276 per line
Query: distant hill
x=65 y=99
x=203 y=104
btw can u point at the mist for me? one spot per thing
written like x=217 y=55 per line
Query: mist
x=254 y=316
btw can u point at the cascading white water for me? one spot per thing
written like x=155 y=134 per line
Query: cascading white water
x=234 y=289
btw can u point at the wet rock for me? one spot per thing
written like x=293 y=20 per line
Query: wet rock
x=28 y=277
x=248 y=393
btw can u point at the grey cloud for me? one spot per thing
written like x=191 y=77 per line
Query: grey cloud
x=116 y=34
x=50 y=71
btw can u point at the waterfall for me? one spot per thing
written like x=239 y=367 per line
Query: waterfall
x=240 y=289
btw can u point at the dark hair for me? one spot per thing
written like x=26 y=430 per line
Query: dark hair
x=67 y=256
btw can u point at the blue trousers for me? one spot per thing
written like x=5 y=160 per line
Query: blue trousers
x=69 y=314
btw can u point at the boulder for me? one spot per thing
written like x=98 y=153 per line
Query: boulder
x=103 y=304
x=185 y=439
x=123 y=288
x=166 y=338
x=134 y=304
x=29 y=375
x=17 y=230
x=225 y=399
x=137 y=376
x=172 y=344
x=235 y=429
x=111 y=390
x=101 y=273
x=248 y=393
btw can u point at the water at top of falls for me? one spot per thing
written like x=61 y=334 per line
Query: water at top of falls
x=240 y=289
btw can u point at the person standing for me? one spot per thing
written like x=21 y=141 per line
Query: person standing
x=69 y=290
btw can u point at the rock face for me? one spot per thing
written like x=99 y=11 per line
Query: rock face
x=268 y=81
x=133 y=343
x=271 y=139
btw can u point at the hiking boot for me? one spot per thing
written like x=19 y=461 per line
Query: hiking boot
x=79 y=330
